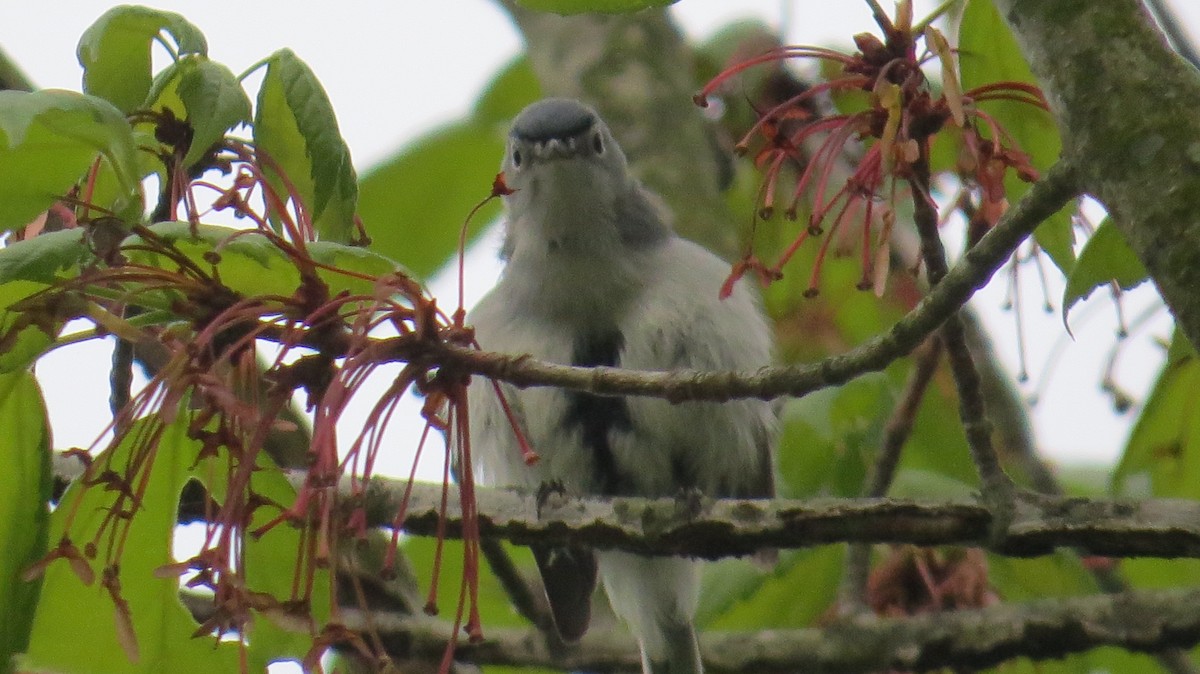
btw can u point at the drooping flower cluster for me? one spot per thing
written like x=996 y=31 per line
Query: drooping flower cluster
x=234 y=360
x=902 y=115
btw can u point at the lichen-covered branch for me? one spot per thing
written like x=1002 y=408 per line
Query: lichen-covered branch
x=1125 y=104
x=857 y=565
x=729 y=527
x=1050 y=628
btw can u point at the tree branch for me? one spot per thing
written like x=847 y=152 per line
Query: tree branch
x=1050 y=628
x=731 y=527
x=1047 y=197
x=972 y=411
x=1125 y=104
x=852 y=594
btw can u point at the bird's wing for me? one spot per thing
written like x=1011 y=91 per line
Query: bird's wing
x=724 y=449
x=568 y=572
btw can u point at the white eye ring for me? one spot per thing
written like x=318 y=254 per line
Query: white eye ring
x=597 y=143
x=516 y=158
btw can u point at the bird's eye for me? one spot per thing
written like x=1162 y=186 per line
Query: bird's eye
x=597 y=144
x=516 y=158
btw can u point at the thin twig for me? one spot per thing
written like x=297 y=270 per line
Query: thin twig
x=899 y=426
x=521 y=590
x=852 y=596
x=996 y=483
x=1046 y=197
x=1017 y=448
x=120 y=380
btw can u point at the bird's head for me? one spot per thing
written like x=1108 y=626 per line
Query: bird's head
x=561 y=152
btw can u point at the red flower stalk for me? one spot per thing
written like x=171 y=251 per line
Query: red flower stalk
x=325 y=344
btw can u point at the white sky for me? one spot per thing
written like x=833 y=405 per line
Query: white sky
x=394 y=70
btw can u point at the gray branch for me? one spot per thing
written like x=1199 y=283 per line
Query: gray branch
x=729 y=527
x=1050 y=628
x=1047 y=196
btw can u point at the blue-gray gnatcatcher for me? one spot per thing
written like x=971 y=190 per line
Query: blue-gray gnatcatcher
x=595 y=276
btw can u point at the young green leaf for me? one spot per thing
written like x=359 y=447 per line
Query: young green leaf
x=1162 y=456
x=163 y=628
x=797 y=593
x=512 y=88
x=115 y=51
x=270 y=560
x=1105 y=258
x=43 y=258
x=295 y=128
x=413 y=204
x=48 y=141
x=988 y=53
x=22 y=342
x=28 y=267
x=24 y=519
x=206 y=95
x=249 y=263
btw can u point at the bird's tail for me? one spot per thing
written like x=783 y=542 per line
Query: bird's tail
x=656 y=597
x=682 y=652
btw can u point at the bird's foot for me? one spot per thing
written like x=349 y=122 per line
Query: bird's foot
x=550 y=493
x=689 y=502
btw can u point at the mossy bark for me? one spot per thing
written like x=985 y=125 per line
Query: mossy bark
x=1127 y=107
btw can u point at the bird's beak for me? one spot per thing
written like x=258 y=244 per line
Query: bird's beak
x=554 y=148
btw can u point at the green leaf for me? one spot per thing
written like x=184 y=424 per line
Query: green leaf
x=48 y=141
x=800 y=589
x=1162 y=456
x=249 y=263
x=988 y=54
x=1061 y=574
x=28 y=267
x=215 y=102
x=1147 y=572
x=604 y=6
x=923 y=483
x=508 y=92
x=270 y=560
x=1058 y=575
x=43 y=258
x=246 y=262
x=204 y=94
x=828 y=437
x=295 y=126
x=115 y=51
x=494 y=605
x=164 y=628
x=24 y=518
x=21 y=343
x=414 y=203
x=1105 y=258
